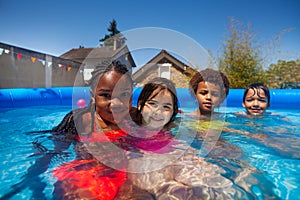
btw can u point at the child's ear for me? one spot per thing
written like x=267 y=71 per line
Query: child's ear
x=243 y=105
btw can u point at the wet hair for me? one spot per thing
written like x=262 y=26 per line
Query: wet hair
x=105 y=67
x=151 y=90
x=210 y=76
x=257 y=86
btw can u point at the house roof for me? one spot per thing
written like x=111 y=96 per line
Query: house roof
x=100 y=53
x=162 y=57
x=82 y=53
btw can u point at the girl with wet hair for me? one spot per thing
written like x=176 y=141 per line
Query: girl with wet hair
x=157 y=104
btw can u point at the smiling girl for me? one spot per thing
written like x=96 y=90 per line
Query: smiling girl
x=157 y=104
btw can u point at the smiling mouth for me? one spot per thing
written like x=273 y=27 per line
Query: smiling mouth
x=256 y=109
x=156 y=120
x=209 y=105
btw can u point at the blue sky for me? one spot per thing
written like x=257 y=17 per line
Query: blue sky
x=56 y=26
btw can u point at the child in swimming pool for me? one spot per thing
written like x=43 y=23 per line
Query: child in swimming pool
x=154 y=116
x=96 y=131
x=87 y=178
x=110 y=103
x=256 y=99
x=157 y=104
x=210 y=87
x=111 y=91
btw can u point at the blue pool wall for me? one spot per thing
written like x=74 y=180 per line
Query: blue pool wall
x=25 y=97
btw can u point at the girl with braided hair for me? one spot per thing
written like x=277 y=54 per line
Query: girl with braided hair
x=110 y=90
x=99 y=168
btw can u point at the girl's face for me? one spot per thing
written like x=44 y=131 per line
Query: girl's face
x=113 y=97
x=256 y=102
x=208 y=96
x=158 y=110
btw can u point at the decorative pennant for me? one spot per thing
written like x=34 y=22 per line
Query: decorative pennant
x=42 y=61
x=49 y=64
x=19 y=56
x=63 y=66
x=33 y=59
x=6 y=51
x=1 y=51
x=69 y=68
x=59 y=65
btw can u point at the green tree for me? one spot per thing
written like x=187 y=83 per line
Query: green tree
x=241 y=60
x=283 y=74
x=211 y=62
x=114 y=34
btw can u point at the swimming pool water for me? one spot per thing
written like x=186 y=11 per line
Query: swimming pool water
x=270 y=154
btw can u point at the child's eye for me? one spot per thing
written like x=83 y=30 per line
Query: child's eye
x=167 y=108
x=152 y=104
x=262 y=100
x=105 y=95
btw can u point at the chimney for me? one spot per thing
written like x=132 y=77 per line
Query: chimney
x=116 y=43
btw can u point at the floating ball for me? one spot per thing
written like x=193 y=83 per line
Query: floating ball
x=81 y=103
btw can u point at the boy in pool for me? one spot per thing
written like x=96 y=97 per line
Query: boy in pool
x=210 y=88
x=256 y=99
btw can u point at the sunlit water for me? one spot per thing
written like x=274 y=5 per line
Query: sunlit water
x=267 y=160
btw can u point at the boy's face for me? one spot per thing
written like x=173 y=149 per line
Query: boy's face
x=256 y=102
x=158 y=111
x=208 y=96
x=113 y=97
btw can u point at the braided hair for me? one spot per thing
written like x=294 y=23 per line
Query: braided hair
x=68 y=124
x=99 y=71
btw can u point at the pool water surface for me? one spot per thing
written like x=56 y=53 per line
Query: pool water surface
x=261 y=155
